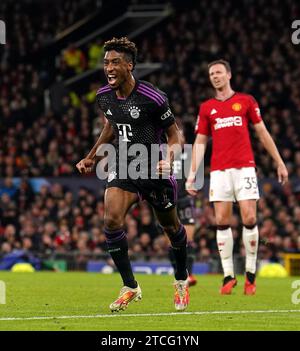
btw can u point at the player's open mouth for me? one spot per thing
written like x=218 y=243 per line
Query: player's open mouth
x=111 y=79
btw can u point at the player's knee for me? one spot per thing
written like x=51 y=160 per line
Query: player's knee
x=112 y=222
x=177 y=236
x=222 y=220
x=223 y=226
x=249 y=221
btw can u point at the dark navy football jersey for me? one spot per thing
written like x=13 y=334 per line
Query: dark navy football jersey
x=141 y=118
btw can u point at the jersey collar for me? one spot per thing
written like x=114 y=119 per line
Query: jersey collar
x=227 y=98
x=133 y=90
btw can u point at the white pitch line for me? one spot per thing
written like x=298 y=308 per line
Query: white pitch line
x=146 y=315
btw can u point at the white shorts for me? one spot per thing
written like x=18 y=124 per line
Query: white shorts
x=233 y=184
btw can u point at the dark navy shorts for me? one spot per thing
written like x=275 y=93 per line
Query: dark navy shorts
x=160 y=193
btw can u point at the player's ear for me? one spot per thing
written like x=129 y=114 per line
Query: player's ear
x=229 y=75
x=130 y=66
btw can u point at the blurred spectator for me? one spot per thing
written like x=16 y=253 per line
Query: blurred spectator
x=95 y=54
x=75 y=60
x=8 y=188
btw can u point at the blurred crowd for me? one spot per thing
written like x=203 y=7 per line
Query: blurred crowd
x=255 y=38
x=32 y=25
x=35 y=141
x=76 y=60
x=263 y=59
x=55 y=220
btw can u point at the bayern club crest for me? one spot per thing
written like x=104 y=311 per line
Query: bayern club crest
x=134 y=112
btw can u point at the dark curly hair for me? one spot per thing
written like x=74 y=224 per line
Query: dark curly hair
x=123 y=45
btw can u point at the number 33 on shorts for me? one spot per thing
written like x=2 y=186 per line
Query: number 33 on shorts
x=234 y=184
x=250 y=183
x=249 y=189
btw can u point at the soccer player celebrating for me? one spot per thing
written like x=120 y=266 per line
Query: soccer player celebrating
x=233 y=178
x=137 y=113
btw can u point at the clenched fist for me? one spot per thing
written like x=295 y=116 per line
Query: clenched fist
x=85 y=165
x=190 y=186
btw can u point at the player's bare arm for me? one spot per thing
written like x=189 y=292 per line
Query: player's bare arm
x=268 y=143
x=198 y=152
x=175 y=142
x=87 y=163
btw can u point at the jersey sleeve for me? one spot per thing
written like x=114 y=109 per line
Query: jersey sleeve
x=253 y=112
x=98 y=102
x=165 y=115
x=202 y=124
x=102 y=99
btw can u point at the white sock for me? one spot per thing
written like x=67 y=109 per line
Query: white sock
x=250 y=240
x=225 y=246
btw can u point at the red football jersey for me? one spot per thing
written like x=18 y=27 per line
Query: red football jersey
x=227 y=123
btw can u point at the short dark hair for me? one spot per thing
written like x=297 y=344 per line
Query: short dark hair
x=222 y=62
x=122 y=45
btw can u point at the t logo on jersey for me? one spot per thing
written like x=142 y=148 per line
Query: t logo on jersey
x=124 y=131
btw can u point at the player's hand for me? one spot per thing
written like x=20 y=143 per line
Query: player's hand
x=282 y=173
x=190 y=186
x=85 y=165
x=164 y=168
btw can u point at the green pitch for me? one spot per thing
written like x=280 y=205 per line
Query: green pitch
x=79 y=301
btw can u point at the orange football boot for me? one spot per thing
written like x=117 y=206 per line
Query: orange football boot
x=228 y=284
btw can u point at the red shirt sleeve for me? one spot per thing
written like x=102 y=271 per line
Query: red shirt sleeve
x=202 y=124
x=253 y=111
